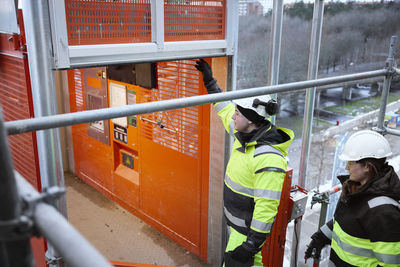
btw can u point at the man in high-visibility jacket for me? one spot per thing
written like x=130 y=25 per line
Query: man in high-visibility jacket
x=254 y=174
x=365 y=229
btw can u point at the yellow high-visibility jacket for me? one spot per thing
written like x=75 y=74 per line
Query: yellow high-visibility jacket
x=254 y=177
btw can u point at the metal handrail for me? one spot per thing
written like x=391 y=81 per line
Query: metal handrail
x=67 y=119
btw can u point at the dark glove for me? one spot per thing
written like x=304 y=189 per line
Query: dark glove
x=230 y=262
x=239 y=257
x=209 y=82
x=318 y=241
x=204 y=68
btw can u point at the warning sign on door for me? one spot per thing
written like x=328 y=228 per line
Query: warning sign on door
x=127 y=160
x=120 y=134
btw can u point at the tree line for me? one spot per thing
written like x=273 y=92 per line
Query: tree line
x=354 y=34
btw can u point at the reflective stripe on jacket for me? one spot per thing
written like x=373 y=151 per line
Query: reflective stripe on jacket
x=254 y=178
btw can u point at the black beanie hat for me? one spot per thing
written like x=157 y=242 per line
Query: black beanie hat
x=251 y=115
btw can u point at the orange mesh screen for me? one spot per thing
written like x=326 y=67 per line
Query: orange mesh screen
x=106 y=22
x=177 y=129
x=189 y=20
x=15 y=102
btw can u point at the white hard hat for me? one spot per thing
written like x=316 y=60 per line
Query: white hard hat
x=253 y=103
x=365 y=144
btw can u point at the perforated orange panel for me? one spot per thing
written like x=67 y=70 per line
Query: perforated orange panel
x=177 y=129
x=129 y=21
x=106 y=22
x=189 y=20
x=16 y=102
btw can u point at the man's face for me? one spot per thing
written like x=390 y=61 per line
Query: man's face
x=242 y=124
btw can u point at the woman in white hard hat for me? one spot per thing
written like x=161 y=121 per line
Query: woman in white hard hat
x=255 y=172
x=365 y=229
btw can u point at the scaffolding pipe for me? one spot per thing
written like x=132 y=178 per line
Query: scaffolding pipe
x=310 y=94
x=38 y=40
x=275 y=52
x=61 y=120
x=386 y=84
x=12 y=252
x=384 y=98
x=36 y=22
x=391 y=131
x=72 y=246
x=386 y=88
x=313 y=60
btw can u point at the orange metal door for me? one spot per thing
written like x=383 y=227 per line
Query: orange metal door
x=174 y=158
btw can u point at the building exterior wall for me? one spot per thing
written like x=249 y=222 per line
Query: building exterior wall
x=255 y=9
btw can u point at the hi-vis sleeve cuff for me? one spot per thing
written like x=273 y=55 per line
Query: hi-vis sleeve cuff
x=235 y=220
x=221 y=105
x=326 y=231
x=261 y=226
